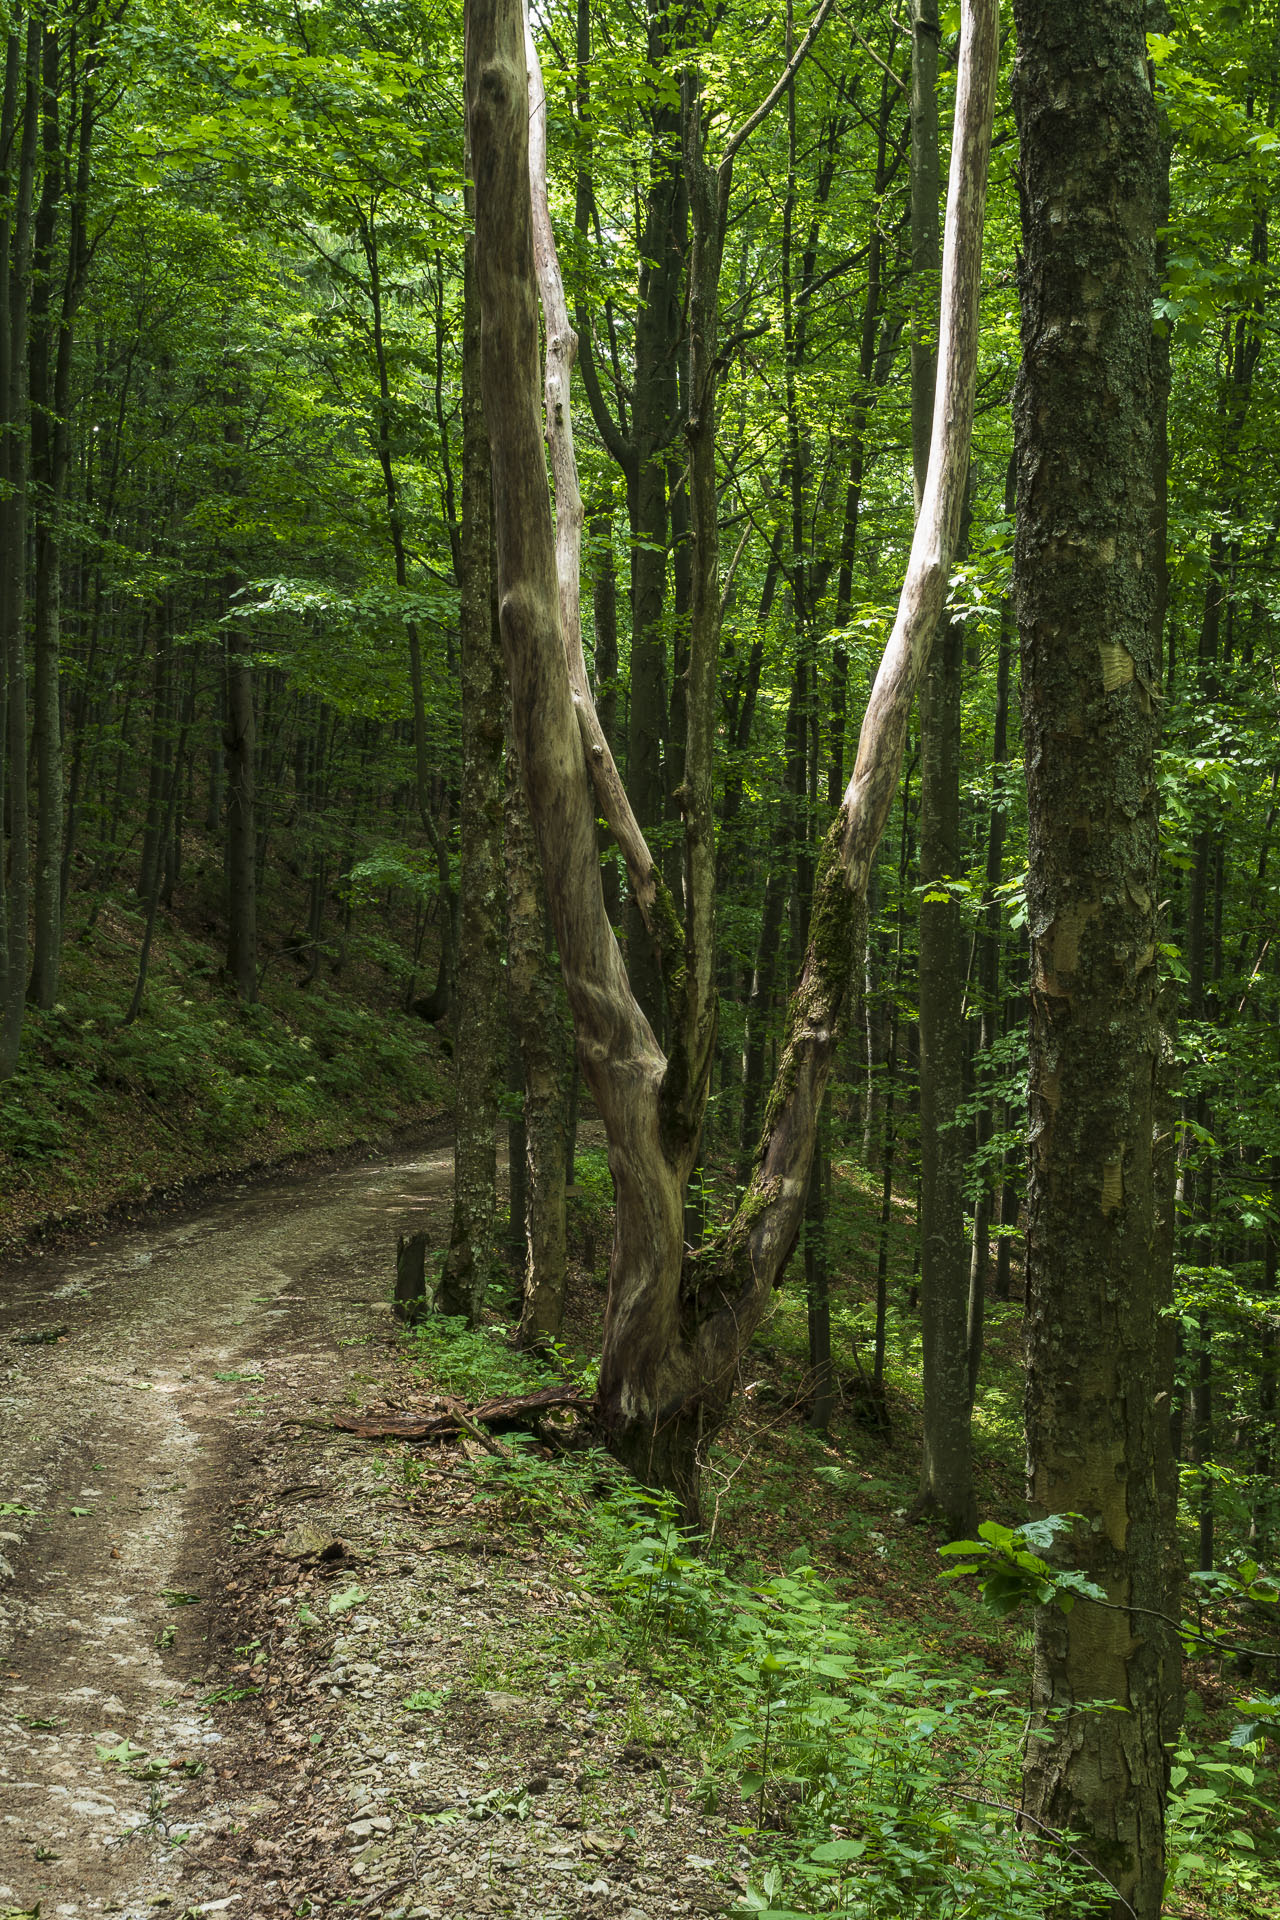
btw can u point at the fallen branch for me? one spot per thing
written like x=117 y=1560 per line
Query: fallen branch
x=506 y=1413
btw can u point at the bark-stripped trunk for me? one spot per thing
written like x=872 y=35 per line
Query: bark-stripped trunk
x=674 y=1330
x=1084 y=583
x=926 y=176
x=469 y=1262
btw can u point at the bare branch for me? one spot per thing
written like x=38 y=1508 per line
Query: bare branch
x=883 y=65
x=771 y=99
x=562 y=349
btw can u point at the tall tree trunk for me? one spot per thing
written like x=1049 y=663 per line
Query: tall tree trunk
x=21 y=94
x=241 y=835
x=158 y=759
x=817 y=1276
x=1263 y=1520
x=541 y=1025
x=641 y=449
x=986 y=975
x=157 y=875
x=52 y=339
x=604 y=607
x=946 y=1479
x=469 y=1262
x=46 y=713
x=926 y=178
x=1084 y=584
x=946 y=1472
x=759 y=1009
x=441 y=1000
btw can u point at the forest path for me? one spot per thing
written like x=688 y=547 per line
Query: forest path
x=194 y=1563
x=125 y=1449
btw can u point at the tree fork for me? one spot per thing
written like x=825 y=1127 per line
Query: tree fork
x=673 y=1336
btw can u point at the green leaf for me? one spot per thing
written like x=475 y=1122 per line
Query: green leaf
x=840 y=1850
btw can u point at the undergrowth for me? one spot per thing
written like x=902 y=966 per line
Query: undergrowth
x=100 y=1112
x=873 y=1783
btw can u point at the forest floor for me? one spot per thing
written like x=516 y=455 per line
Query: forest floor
x=211 y=1617
x=252 y=1664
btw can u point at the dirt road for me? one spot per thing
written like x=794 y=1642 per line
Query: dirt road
x=254 y=1667
x=121 y=1446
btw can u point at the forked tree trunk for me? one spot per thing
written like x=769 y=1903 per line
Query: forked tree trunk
x=1084 y=586
x=675 y=1328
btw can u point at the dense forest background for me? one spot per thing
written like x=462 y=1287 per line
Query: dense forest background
x=232 y=564
x=232 y=551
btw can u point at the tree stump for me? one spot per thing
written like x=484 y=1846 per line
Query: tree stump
x=411 y=1278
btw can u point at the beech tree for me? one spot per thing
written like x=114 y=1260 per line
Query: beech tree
x=676 y=1322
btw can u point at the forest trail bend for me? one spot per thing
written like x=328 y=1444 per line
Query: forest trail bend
x=250 y=1666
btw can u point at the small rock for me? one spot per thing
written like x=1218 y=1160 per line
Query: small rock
x=505 y=1706
x=306 y=1542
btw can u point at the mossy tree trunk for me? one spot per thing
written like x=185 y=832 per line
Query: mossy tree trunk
x=1084 y=583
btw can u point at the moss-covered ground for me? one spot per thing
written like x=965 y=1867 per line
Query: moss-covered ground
x=102 y=1115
